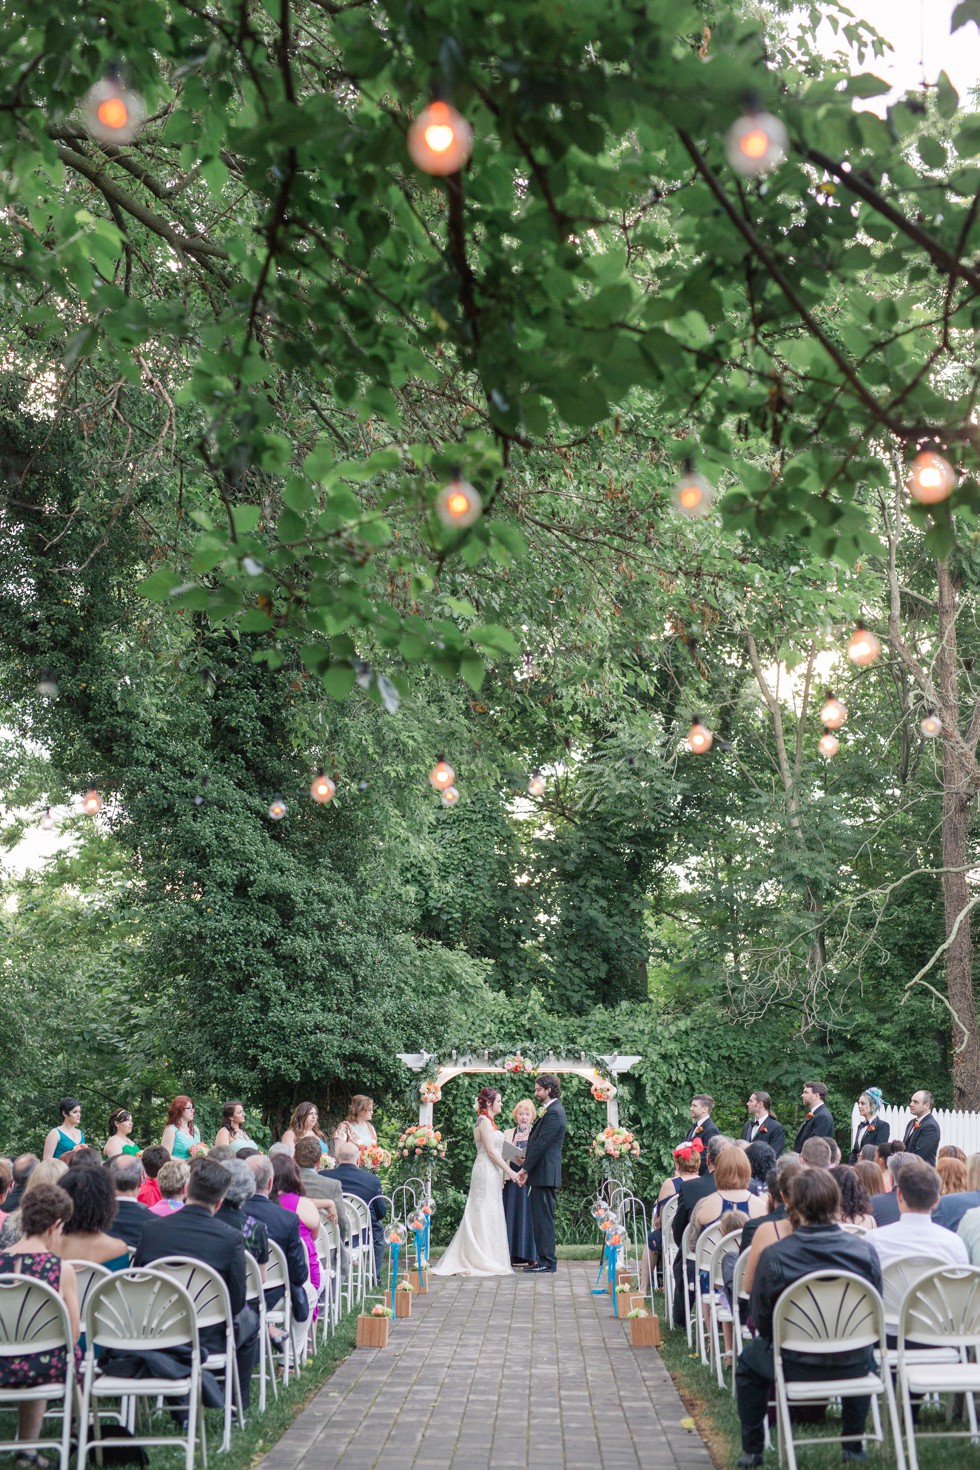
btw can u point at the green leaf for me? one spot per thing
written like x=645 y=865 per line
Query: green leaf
x=947 y=97
x=338 y=680
x=245 y=518
x=473 y=670
x=966 y=10
x=159 y=584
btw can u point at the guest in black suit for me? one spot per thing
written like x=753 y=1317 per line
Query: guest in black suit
x=193 y=1231
x=542 y=1168
x=762 y=1127
x=131 y=1216
x=364 y=1184
x=818 y=1122
x=702 y=1124
x=922 y=1134
x=23 y=1167
x=872 y=1128
x=283 y=1228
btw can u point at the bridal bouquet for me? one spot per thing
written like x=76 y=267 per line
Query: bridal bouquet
x=422 y=1141
x=616 y=1143
x=197 y=1151
x=373 y=1156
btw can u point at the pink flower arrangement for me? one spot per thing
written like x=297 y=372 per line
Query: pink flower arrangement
x=602 y=1090
x=373 y=1156
x=616 y=1143
x=430 y=1092
x=517 y=1064
x=422 y=1141
x=197 y=1151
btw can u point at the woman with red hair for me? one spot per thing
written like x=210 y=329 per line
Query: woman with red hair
x=181 y=1133
x=687 y=1165
x=480 y=1246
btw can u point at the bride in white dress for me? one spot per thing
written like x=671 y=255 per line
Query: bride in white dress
x=480 y=1246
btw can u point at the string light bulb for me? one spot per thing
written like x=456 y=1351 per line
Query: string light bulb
x=277 y=807
x=828 y=744
x=693 y=495
x=862 y=646
x=91 y=803
x=449 y=797
x=322 y=789
x=440 y=140
x=834 y=713
x=931 y=726
x=699 y=739
x=536 y=785
x=442 y=775
x=112 y=113
x=931 y=477
x=756 y=143
x=458 y=504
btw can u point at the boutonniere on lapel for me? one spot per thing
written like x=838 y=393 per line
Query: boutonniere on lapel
x=761 y=1129
x=915 y=1125
x=541 y=1111
x=697 y=1131
x=808 y=1117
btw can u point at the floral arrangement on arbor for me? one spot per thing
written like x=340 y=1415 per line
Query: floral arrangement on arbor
x=517 y=1064
x=615 y=1143
x=603 y=1090
x=422 y=1141
x=374 y=1157
x=430 y=1092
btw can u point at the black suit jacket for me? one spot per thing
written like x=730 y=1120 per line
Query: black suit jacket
x=283 y=1228
x=690 y=1192
x=875 y=1133
x=924 y=1140
x=770 y=1131
x=704 y=1130
x=360 y=1182
x=884 y=1207
x=193 y=1231
x=952 y=1207
x=821 y=1125
x=542 y=1157
x=131 y=1216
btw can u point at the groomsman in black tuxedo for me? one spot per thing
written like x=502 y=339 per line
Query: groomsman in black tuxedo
x=922 y=1134
x=762 y=1126
x=819 y=1122
x=542 y=1168
x=702 y=1125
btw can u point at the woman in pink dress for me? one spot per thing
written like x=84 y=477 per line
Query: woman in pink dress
x=289 y=1192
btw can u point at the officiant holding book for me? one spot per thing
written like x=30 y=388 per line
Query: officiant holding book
x=517 y=1197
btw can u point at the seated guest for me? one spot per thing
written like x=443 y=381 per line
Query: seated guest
x=870 y=1176
x=922 y=1134
x=732 y=1174
x=232 y=1131
x=762 y=1158
x=357 y=1127
x=305 y=1123
x=283 y=1228
x=835 y=1153
x=23 y=1166
x=86 y=1235
x=951 y=1151
x=50 y=1172
x=817 y=1153
x=6 y=1185
x=84 y=1157
x=687 y=1166
x=969 y=1233
x=120 y=1127
x=952 y=1176
x=289 y=1191
x=37 y=1253
x=364 y=1184
x=193 y=1231
x=872 y=1129
x=762 y=1126
x=221 y=1152
x=172 y=1182
x=320 y=1185
x=883 y=1152
x=951 y=1209
x=688 y=1196
x=127 y=1176
x=868 y=1154
x=776 y=1206
x=767 y=1230
x=153 y=1160
x=816 y=1244
x=234 y=1211
x=68 y=1135
x=914 y=1234
x=884 y=1206
x=855 y=1201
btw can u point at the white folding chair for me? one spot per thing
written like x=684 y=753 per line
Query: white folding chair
x=362 y=1260
x=87 y=1275
x=668 y=1256
x=940 y=1310
x=706 y=1243
x=212 y=1308
x=281 y=1315
x=719 y=1314
x=740 y=1306
x=329 y=1248
x=255 y=1297
x=34 y=1319
x=137 y=1312
x=826 y=1313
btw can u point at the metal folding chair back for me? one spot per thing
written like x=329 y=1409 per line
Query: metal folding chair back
x=941 y=1310
x=668 y=1255
x=87 y=1275
x=212 y=1308
x=34 y=1319
x=727 y=1245
x=706 y=1243
x=255 y=1296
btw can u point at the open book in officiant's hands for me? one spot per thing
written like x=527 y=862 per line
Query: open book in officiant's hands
x=510 y=1153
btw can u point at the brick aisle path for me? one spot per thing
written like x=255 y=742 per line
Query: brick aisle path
x=454 y=1386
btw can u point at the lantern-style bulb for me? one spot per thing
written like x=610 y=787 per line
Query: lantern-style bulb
x=322 y=789
x=449 y=797
x=698 y=738
x=834 y=713
x=440 y=139
x=756 y=144
x=930 y=478
x=47 y=685
x=46 y=823
x=112 y=113
x=536 y=786
x=442 y=775
x=458 y=504
x=931 y=726
x=91 y=803
x=693 y=495
x=828 y=744
x=863 y=647
x=277 y=807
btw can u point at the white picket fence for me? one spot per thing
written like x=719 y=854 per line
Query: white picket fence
x=956 y=1127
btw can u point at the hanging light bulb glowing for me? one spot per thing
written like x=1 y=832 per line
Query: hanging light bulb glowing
x=834 y=714
x=458 y=504
x=277 y=807
x=91 y=803
x=693 y=495
x=442 y=775
x=828 y=744
x=863 y=647
x=112 y=113
x=756 y=143
x=322 y=789
x=536 y=785
x=931 y=726
x=46 y=823
x=449 y=797
x=930 y=477
x=47 y=685
x=440 y=140
x=698 y=738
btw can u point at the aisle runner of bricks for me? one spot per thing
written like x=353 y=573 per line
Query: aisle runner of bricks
x=455 y=1388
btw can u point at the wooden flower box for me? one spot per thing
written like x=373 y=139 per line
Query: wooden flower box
x=372 y=1332
x=419 y=1281
x=645 y=1331
x=634 y=1300
x=626 y=1276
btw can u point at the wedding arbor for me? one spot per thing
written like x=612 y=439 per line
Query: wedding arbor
x=517 y=1064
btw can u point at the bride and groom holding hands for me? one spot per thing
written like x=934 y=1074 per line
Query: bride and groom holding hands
x=480 y=1246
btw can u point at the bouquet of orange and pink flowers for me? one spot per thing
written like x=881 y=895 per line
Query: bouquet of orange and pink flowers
x=373 y=1156
x=602 y=1090
x=616 y=1143
x=430 y=1092
x=422 y=1141
x=197 y=1151
x=516 y=1064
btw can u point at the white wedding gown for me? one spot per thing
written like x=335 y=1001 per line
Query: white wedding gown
x=480 y=1246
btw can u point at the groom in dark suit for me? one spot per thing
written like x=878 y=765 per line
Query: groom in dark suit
x=542 y=1168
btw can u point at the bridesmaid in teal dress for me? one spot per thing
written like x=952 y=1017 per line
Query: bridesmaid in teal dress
x=68 y=1136
x=181 y=1133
